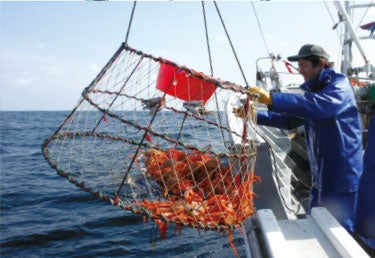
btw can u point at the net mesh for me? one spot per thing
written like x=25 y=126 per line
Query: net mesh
x=152 y=137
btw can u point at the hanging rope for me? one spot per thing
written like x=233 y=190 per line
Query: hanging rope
x=211 y=67
x=231 y=44
x=364 y=15
x=275 y=170
x=260 y=29
x=130 y=22
x=126 y=41
x=207 y=39
x=335 y=28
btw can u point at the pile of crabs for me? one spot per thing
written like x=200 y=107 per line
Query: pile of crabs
x=198 y=190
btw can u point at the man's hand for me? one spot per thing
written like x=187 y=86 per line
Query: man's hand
x=264 y=96
x=240 y=111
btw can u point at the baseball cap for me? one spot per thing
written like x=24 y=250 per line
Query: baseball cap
x=309 y=50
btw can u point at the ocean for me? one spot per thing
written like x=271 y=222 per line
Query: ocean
x=43 y=215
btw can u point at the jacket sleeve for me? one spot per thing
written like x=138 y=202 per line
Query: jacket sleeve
x=333 y=99
x=270 y=118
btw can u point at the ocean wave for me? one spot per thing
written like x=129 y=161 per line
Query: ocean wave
x=40 y=239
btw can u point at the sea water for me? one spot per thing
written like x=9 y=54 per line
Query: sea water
x=43 y=215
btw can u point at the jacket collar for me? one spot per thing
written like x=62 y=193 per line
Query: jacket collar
x=316 y=84
x=311 y=84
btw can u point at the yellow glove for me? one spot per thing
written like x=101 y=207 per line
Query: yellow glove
x=264 y=96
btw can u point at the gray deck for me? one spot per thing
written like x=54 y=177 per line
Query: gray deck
x=318 y=235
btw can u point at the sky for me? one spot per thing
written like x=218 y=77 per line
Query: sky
x=50 y=50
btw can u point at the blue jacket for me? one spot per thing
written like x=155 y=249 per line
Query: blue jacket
x=333 y=131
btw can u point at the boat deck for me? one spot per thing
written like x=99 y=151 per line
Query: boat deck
x=318 y=235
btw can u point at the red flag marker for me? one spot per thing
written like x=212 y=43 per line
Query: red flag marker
x=288 y=66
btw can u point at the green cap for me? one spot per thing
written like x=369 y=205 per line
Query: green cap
x=309 y=50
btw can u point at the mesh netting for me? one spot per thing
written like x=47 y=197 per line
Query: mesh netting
x=152 y=137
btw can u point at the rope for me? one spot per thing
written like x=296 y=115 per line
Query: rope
x=211 y=68
x=207 y=39
x=130 y=22
x=260 y=28
x=231 y=44
x=338 y=34
x=268 y=52
x=265 y=140
x=364 y=15
x=126 y=40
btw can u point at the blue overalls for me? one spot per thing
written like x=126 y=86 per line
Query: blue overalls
x=365 y=220
x=333 y=132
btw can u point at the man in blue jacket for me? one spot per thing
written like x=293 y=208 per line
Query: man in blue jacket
x=333 y=132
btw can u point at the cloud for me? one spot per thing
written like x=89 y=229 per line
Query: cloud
x=23 y=72
x=24 y=79
x=38 y=85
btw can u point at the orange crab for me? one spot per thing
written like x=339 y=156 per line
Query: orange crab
x=200 y=191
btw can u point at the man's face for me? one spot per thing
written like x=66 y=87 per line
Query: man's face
x=307 y=70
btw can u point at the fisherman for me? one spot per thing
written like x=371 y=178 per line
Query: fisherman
x=365 y=217
x=333 y=132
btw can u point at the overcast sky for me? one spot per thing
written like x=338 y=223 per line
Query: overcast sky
x=50 y=51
